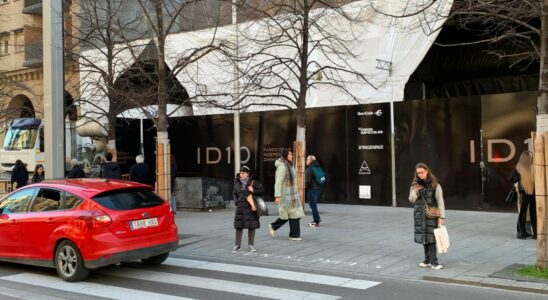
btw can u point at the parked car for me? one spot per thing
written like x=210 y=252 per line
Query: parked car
x=78 y=225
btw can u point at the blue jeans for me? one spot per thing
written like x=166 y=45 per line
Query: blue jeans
x=313 y=195
x=174 y=203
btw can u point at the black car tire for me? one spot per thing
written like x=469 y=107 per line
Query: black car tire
x=155 y=260
x=69 y=263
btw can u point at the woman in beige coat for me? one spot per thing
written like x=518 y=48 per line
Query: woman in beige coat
x=286 y=196
x=523 y=175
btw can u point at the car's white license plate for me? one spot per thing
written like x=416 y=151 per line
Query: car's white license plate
x=144 y=223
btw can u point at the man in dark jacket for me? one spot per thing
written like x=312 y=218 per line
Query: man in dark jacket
x=76 y=171
x=140 y=172
x=313 y=189
x=110 y=169
x=19 y=174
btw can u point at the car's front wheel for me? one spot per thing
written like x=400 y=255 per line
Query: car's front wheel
x=69 y=263
x=155 y=260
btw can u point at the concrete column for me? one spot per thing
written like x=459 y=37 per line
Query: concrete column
x=54 y=130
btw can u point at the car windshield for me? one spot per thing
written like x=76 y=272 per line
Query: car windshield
x=128 y=199
x=20 y=138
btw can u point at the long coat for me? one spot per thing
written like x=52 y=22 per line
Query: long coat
x=244 y=217
x=280 y=190
x=424 y=227
x=20 y=176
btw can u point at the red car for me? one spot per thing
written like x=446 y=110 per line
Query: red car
x=78 y=225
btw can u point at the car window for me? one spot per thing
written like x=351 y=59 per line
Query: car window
x=18 y=202
x=71 y=201
x=46 y=200
x=128 y=199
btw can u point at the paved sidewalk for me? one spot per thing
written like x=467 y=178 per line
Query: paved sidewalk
x=371 y=240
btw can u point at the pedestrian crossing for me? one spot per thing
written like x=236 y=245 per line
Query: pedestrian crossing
x=183 y=279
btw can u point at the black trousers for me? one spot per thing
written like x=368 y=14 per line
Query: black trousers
x=294 y=226
x=527 y=201
x=430 y=253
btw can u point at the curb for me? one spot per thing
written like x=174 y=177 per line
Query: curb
x=518 y=286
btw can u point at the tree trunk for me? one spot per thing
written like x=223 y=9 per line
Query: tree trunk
x=111 y=133
x=163 y=153
x=542 y=127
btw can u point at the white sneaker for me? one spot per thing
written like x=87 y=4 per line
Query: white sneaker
x=296 y=239
x=236 y=249
x=251 y=248
x=271 y=230
x=437 y=267
x=425 y=264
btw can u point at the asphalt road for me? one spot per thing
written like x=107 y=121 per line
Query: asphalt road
x=185 y=277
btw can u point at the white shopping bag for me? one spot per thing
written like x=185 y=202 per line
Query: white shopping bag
x=442 y=239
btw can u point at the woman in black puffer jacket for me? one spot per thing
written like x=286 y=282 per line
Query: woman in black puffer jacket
x=246 y=216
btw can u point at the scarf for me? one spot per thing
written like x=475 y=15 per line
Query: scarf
x=291 y=192
x=244 y=182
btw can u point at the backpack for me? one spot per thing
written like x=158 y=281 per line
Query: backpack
x=319 y=174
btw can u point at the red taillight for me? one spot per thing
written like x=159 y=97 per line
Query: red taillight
x=97 y=219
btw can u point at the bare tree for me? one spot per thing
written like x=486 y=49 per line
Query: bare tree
x=295 y=47
x=103 y=55
x=165 y=17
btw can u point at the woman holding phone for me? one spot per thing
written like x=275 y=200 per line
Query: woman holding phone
x=426 y=192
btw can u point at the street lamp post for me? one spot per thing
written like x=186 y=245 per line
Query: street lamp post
x=236 y=91
x=54 y=129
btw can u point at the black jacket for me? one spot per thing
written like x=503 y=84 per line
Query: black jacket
x=20 y=176
x=38 y=178
x=111 y=170
x=140 y=173
x=76 y=172
x=310 y=179
x=244 y=216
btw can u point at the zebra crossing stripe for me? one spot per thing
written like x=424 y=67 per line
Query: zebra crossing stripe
x=235 y=287
x=4 y=291
x=87 y=288
x=273 y=273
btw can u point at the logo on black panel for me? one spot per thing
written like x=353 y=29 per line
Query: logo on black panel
x=364 y=169
x=377 y=113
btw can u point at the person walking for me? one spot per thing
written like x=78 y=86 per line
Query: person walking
x=110 y=169
x=286 y=196
x=38 y=175
x=426 y=192
x=313 y=189
x=76 y=171
x=19 y=174
x=174 y=172
x=246 y=189
x=140 y=172
x=523 y=176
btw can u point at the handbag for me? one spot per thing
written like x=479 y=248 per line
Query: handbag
x=512 y=195
x=261 y=206
x=432 y=212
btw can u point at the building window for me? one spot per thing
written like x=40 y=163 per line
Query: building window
x=19 y=41
x=4 y=2
x=4 y=44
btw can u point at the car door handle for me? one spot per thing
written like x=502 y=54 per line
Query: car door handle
x=49 y=221
x=13 y=222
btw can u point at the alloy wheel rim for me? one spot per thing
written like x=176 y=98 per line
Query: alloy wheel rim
x=67 y=261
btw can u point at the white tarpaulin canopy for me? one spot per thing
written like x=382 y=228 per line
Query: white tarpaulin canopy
x=386 y=50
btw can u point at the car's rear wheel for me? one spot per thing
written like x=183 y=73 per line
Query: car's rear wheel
x=155 y=260
x=69 y=263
